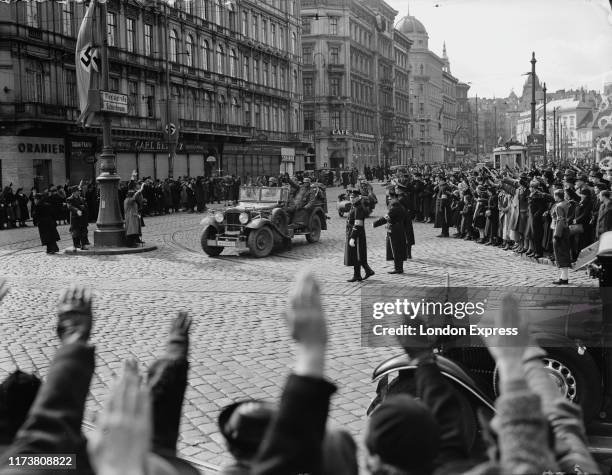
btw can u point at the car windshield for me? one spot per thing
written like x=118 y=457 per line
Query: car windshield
x=260 y=194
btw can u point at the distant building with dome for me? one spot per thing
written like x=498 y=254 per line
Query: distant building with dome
x=433 y=96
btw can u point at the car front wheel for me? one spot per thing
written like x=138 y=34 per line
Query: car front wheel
x=261 y=242
x=210 y=233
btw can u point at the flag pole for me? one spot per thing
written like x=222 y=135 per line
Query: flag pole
x=109 y=227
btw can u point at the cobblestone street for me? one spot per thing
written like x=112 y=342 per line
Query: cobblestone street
x=240 y=347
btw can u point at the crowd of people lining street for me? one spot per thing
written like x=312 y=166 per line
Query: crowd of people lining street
x=534 y=429
x=551 y=212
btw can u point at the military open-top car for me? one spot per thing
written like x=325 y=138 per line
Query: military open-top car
x=262 y=219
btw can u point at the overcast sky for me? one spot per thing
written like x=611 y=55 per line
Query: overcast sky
x=489 y=42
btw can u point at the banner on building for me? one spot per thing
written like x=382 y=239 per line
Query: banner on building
x=87 y=65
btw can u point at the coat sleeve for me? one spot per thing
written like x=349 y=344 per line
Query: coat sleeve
x=293 y=442
x=54 y=422
x=438 y=395
x=522 y=432
x=379 y=222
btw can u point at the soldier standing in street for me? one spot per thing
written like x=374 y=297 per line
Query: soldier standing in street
x=78 y=219
x=443 y=206
x=395 y=220
x=355 y=248
x=405 y=201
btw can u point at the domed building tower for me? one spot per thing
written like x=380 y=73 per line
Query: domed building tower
x=426 y=95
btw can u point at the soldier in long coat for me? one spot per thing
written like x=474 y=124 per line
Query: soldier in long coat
x=78 y=219
x=45 y=220
x=408 y=228
x=443 y=210
x=355 y=248
x=396 y=235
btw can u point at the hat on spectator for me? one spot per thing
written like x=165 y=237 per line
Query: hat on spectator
x=572 y=195
x=354 y=192
x=603 y=185
x=582 y=177
x=244 y=423
x=273 y=179
x=535 y=182
x=307 y=180
x=339 y=453
x=403 y=433
x=586 y=191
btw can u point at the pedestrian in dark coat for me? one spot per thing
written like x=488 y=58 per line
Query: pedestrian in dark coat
x=604 y=217
x=561 y=237
x=45 y=220
x=583 y=214
x=396 y=235
x=356 y=248
x=78 y=219
x=443 y=208
x=22 y=207
x=492 y=218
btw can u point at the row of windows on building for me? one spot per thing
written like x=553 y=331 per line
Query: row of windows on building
x=361 y=62
x=360 y=35
x=202 y=8
x=197 y=105
x=255 y=70
x=333 y=55
x=401 y=59
x=361 y=92
x=328 y=26
x=148 y=47
x=311 y=123
x=335 y=86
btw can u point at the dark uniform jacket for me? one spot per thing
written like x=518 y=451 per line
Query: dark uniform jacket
x=443 y=212
x=46 y=222
x=396 y=235
x=78 y=224
x=408 y=228
x=358 y=254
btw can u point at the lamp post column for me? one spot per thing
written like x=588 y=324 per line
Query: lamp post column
x=110 y=231
x=545 y=120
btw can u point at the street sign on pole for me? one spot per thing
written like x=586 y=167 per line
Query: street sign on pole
x=113 y=102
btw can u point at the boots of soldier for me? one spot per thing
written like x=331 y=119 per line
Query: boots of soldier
x=409 y=252
x=356 y=274
x=368 y=271
x=76 y=244
x=398 y=268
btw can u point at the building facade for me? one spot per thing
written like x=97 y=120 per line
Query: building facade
x=464 y=137
x=348 y=82
x=433 y=97
x=233 y=70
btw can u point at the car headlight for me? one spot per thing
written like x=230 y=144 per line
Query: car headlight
x=219 y=217
x=243 y=218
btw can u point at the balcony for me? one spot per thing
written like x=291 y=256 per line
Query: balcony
x=386 y=82
x=388 y=110
x=335 y=68
x=37 y=110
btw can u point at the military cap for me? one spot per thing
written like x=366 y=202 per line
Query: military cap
x=402 y=187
